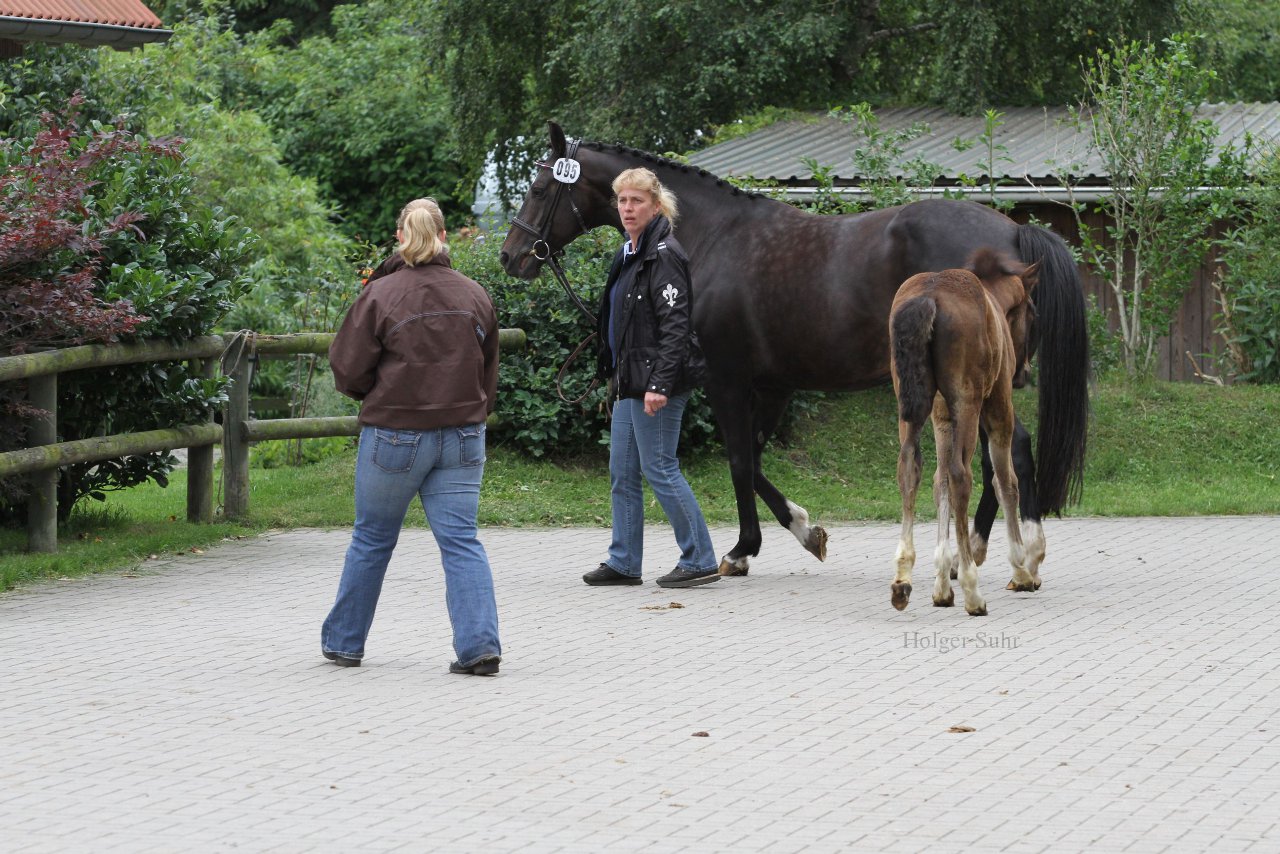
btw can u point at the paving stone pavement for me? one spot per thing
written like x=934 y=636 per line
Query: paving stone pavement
x=1130 y=705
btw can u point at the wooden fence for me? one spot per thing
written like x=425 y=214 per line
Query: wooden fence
x=236 y=353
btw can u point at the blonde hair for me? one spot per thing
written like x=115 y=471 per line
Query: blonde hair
x=420 y=224
x=645 y=181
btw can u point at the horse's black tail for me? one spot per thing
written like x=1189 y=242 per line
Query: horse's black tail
x=911 y=331
x=1063 y=377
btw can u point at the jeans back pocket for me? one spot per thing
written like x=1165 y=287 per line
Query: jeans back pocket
x=471 y=445
x=395 y=450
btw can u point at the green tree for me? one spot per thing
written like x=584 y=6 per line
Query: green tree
x=662 y=75
x=1140 y=114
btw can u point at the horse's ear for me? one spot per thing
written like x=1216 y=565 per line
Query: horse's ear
x=558 y=144
x=1030 y=276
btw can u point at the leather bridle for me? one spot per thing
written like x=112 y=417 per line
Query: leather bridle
x=541 y=250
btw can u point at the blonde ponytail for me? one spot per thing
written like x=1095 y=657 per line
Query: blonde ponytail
x=420 y=224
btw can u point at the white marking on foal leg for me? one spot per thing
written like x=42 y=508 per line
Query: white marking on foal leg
x=943 y=557
x=978 y=546
x=973 y=601
x=1033 y=539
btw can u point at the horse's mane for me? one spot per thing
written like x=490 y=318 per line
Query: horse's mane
x=666 y=163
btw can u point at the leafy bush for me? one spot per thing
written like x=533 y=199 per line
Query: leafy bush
x=1249 y=290
x=533 y=417
x=104 y=242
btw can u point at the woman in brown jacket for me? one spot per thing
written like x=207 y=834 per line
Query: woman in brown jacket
x=419 y=350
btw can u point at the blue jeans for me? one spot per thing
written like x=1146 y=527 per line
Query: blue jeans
x=444 y=468
x=646 y=444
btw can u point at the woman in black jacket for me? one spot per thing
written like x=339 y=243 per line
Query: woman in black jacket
x=646 y=329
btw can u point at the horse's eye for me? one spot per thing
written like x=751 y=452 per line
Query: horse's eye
x=538 y=192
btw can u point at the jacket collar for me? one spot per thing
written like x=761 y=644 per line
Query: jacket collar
x=654 y=233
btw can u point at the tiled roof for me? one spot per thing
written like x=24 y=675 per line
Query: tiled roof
x=120 y=13
x=1039 y=144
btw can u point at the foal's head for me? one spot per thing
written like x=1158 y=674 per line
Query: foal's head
x=1010 y=283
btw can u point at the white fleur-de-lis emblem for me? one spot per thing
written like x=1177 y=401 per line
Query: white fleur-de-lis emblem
x=669 y=293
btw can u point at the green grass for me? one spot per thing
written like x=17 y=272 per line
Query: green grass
x=1154 y=450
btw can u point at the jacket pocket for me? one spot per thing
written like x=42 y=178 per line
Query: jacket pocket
x=394 y=450
x=471 y=445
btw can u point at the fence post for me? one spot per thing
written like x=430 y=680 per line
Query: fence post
x=42 y=503
x=200 y=463
x=235 y=444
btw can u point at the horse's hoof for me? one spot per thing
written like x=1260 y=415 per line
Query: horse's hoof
x=901 y=594
x=738 y=566
x=980 y=611
x=1022 y=587
x=946 y=602
x=816 y=542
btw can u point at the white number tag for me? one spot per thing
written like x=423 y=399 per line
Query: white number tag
x=566 y=171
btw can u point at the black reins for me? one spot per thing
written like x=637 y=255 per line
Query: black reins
x=541 y=250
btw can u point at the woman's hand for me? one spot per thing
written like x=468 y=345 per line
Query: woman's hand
x=653 y=402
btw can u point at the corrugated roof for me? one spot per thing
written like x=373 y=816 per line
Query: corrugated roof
x=1040 y=144
x=120 y=13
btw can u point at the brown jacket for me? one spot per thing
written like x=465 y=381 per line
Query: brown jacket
x=419 y=349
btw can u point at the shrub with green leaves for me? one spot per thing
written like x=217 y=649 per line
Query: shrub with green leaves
x=1249 y=290
x=146 y=261
x=532 y=415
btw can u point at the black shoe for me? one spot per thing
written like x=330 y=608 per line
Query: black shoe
x=604 y=575
x=686 y=578
x=483 y=667
x=340 y=660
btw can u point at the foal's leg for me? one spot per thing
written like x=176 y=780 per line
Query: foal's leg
x=1028 y=502
x=960 y=480
x=999 y=415
x=768 y=408
x=909 y=465
x=943 y=595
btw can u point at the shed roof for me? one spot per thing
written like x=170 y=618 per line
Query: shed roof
x=119 y=23
x=1039 y=145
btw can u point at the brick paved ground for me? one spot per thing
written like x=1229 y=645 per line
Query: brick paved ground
x=1130 y=705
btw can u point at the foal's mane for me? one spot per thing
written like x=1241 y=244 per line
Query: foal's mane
x=666 y=163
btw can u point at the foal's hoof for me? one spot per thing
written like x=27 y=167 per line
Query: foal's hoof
x=944 y=602
x=901 y=595
x=978 y=611
x=816 y=542
x=1022 y=587
x=736 y=566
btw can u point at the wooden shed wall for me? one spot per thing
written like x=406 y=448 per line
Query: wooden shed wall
x=1193 y=327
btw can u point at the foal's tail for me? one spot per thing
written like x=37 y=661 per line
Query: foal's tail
x=1063 y=376
x=912 y=332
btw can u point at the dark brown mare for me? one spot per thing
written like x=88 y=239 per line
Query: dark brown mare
x=790 y=300
x=959 y=344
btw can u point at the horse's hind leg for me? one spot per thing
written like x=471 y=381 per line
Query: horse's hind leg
x=960 y=480
x=909 y=465
x=943 y=558
x=1001 y=430
x=769 y=407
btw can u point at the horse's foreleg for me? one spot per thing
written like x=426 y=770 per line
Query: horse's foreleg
x=985 y=516
x=733 y=413
x=768 y=409
x=1024 y=465
x=910 y=462
x=960 y=481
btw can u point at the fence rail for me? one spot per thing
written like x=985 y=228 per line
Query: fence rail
x=237 y=354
